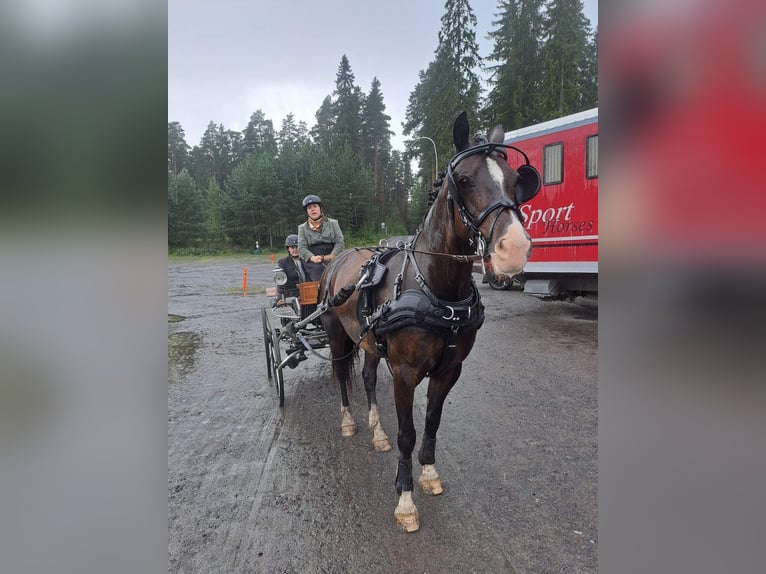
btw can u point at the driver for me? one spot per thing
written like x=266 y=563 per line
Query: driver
x=319 y=238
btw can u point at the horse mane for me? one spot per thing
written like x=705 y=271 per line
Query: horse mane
x=433 y=193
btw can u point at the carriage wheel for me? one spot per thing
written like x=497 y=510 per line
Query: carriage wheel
x=267 y=339
x=279 y=379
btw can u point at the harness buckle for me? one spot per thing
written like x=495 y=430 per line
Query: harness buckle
x=481 y=245
x=451 y=313
x=398 y=285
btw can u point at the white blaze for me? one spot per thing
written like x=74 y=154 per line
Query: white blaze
x=510 y=250
x=496 y=172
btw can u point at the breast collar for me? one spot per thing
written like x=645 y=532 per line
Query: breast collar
x=423 y=308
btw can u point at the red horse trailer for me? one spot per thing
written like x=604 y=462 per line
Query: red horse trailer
x=562 y=219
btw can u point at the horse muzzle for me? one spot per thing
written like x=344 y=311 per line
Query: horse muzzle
x=511 y=250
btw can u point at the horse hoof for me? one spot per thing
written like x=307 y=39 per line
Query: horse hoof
x=408 y=522
x=348 y=429
x=381 y=445
x=432 y=486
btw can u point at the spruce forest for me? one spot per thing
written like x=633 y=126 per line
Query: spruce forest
x=236 y=188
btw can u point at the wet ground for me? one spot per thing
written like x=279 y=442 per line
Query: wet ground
x=256 y=488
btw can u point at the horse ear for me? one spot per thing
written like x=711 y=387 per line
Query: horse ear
x=497 y=135
x=527 y=184
x=460 y=132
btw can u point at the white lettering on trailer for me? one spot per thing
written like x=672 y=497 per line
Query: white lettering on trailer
x=546 y=215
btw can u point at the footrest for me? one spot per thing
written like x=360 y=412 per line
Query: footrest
x=284 y=312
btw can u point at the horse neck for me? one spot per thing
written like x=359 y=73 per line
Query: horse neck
x=449 y=278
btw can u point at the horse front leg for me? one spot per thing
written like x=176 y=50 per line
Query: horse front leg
x=438 y=388
x=370 y=375
x=406 y=512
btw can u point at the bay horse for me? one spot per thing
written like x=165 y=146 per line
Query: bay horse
x=421 y=309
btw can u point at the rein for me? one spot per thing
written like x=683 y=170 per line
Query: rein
x=384 y=245
x=460 y=258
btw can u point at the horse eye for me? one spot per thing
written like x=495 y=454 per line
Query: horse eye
x=464 y=181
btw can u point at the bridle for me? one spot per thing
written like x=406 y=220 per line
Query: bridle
x=473 y=224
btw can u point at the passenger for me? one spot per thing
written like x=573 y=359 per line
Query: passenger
x=293 y=268
x=319 y=239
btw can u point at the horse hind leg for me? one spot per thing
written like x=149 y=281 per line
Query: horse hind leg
x=379 y=437
x=342 y=350
x=370 y=375
x=347 y=424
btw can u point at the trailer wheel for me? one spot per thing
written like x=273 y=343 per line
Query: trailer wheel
x=500 y=283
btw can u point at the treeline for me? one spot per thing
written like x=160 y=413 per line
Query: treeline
x=236 y=188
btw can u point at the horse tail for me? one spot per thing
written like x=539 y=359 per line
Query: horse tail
x=347 y=362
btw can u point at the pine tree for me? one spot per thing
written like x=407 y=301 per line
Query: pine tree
x=259 y=135
x=235 y=149
x=589 y=89
x=289 y=134
x=513 y=99
x=216 y=155
x=376 y=139
x=253 y=201
x=213 y=225
x=325 y=127
x=565 y=30
x=460 y=52
x=178 y=149
x=448 y=86
x=399 y=184
x=186 y=211
x=347 y=108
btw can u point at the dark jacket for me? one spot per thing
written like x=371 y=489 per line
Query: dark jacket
x=288 y=265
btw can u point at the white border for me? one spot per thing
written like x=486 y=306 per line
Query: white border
x=570 y=238
x=562 y=267
x=570 y=121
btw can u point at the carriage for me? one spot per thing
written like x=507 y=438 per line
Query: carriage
x=296 y=329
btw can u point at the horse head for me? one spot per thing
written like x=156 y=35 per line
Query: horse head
x=485 y=193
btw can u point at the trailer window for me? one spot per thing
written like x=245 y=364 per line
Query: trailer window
x=552 y=163
x=591 y=157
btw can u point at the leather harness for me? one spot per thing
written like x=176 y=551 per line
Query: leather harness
x=413 y=307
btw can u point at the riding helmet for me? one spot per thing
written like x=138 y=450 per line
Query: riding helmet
x=309 y=199
x=292 y=240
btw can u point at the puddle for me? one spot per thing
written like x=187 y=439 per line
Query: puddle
x=182 y=354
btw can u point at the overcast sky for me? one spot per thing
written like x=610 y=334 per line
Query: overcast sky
x=229 y=58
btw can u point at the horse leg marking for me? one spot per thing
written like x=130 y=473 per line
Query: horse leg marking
x=379 y=437
x=406 y=513
x=429 y=480
x=347 y=424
